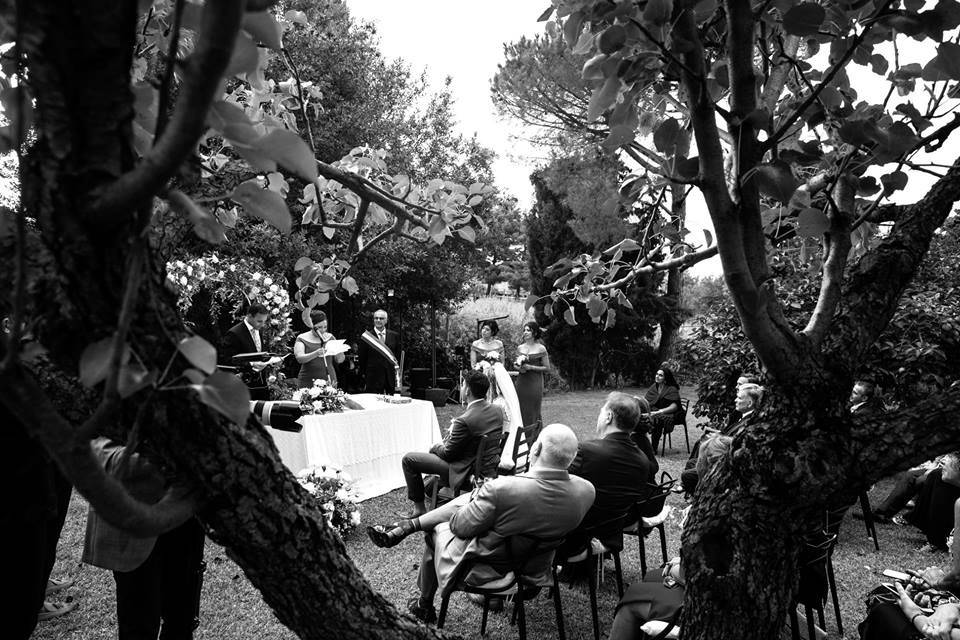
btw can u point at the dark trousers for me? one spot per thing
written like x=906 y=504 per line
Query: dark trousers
x=933 y=513
x=427 y=578
x=415 y=464
x=381 y=381
x=165 y=588
x=905 y=486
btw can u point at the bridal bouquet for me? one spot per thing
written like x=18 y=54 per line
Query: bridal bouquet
x=489 y=359
x=321 y=398
x=521 y=359
x=332 y=489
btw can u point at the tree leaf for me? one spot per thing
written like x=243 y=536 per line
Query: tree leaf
x=199 y=353
x=289 y=151
x=467 y=233
x=708 y=236
x=804 y=19
x=776 y=180
x=657 y=12
x=530 y=301
x=133 y=377
x=302 y=263
x=226 y=394
x=893 y=181
x=205 y=225
x=603 y=97
x=264 y=27
x=350 y=285
x=668 y=136
x=611 y=39
x=812 y=223
x=569 y=317
x=262 y=203
x=329 y=232
x=245 y=57
x=611 y=319
x=95 y=361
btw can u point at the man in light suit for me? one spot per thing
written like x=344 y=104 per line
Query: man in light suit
x=244 y=337
x=453 y=458
x=545 y=502
x=379 y=373
x=158 y=579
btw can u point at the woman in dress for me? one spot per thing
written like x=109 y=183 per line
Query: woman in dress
x=487 y=343
x=310 y=353
x=664 y=398
x=532 y=362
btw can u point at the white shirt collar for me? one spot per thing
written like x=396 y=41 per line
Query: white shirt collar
x=857 y=406
x=249 y=326
x=473 y=402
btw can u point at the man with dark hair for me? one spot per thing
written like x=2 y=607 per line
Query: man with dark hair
x=615 y=465
x=864 y=400
x=453 y=458
x=545 y=502
x=244 y=337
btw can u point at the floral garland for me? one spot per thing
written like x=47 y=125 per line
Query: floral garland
x=333 y=491
x=321 y=398
x=236 y=282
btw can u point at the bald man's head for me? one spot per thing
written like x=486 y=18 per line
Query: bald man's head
x=556 y=447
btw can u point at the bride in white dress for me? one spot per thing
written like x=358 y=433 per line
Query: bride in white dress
x=503 y=394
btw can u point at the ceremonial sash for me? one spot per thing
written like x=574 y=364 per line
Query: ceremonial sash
x=374 y=343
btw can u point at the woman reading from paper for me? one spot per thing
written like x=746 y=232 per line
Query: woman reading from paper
x=310 y=350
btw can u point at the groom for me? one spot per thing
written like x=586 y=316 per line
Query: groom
x=453 y=458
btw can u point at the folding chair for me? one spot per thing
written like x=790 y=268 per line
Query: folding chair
x=651 y=513
x=489 y=446
x=814 y=584
x=526 y=436
x=529 y=564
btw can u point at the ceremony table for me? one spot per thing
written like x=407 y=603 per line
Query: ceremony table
x=367 y=444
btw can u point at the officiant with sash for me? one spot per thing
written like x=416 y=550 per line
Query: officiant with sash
x=312 y=350
x=377 y=357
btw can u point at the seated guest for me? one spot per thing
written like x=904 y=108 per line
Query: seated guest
x=904 y=619
x=658 y=596
x=546 y=502
x=864 y=400
x=933 y=511
x=742 y=379
x=615 y=466
x=453 y=458
x=906 y=485
x=663 y=396
x=746 y=403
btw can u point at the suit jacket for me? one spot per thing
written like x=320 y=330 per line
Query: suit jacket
x=372 y=364
x=871 y=407
x=236 y=340
x=619 y=472
x=459 y=446
x=542 y=502
x=105 y=545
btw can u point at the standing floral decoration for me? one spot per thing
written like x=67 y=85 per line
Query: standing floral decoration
x=234 y=283
x=333 y=491
x=321 y=398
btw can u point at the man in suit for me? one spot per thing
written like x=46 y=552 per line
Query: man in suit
x=158 y=579
x=244 y=337
x=545 y=502
x=377 y=356
x=453 y=458
x=616 y=468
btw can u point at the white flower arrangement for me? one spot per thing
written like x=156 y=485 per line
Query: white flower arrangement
x=321 y=398
x=333 y=492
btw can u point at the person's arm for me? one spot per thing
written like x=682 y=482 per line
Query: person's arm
x=302 y=355
x=576 y=467
x=473 y=355
x=229 y=347
x=667 y=410
x=479 y=515
x=454 y=445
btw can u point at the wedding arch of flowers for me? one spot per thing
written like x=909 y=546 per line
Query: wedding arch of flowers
x=232 y=284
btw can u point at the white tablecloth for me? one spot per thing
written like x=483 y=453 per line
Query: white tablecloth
x=366 y=444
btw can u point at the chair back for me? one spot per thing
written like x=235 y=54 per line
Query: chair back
x=813 y=586
x=485 y=462
x=680 y=415
x=524 y=555
x=652 y=505
x=521 y=446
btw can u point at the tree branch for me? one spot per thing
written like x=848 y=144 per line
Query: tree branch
x=220 y=24
x=680 y=262
x=108 y=497
x=879 y=279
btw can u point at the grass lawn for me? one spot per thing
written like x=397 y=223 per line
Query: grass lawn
x=232 y=609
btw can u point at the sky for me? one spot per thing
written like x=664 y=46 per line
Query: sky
x=465 y=41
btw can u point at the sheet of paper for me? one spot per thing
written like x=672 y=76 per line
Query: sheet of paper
x=336 y=347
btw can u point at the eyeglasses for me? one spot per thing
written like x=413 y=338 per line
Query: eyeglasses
x=379 y=317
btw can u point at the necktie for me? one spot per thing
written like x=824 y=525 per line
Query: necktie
x=256 y=339
x=382 y=335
